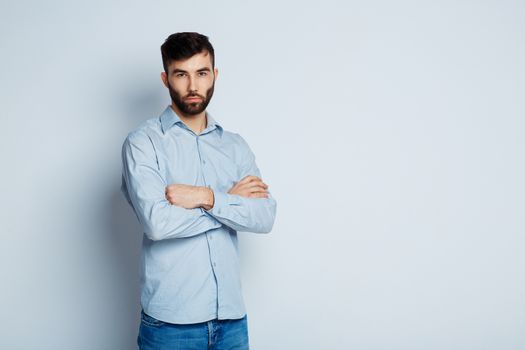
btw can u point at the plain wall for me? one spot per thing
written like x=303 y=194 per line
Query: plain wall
x=391 y=135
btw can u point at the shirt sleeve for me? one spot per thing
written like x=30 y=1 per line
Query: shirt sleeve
x=144 y=188
x=245 y=214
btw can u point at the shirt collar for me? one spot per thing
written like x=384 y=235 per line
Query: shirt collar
x=168 y=118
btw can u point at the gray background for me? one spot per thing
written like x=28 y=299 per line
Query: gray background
x=390 y=133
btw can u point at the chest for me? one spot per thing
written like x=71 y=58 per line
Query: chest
x=198 y=161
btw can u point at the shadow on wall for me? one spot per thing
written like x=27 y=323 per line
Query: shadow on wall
x=141 y=99
x=138 y=101
x=125 y=244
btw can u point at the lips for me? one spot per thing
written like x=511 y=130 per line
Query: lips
x=193 y=99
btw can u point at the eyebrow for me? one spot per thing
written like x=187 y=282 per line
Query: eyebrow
x=204 y=69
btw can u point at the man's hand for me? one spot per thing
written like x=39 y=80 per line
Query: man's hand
x=250 y=186
x=188 y=196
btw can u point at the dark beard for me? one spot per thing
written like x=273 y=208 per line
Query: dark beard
x=191 y=108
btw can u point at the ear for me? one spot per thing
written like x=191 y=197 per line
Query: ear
x=216 y=71
x=164 y=78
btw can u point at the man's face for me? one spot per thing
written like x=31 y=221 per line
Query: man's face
x=191 y=83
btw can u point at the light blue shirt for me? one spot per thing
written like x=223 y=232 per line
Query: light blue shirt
x=189 y=258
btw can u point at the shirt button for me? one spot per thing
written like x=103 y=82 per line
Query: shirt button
x=203 y=161
x=214 y=264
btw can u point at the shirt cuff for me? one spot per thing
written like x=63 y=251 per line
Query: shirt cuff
x=222 y=202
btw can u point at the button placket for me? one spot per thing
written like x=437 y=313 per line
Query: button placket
x=202 y=161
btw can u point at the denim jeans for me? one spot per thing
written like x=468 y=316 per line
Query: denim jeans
x=211 y=335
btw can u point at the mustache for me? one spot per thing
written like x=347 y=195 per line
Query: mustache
x=194 y=95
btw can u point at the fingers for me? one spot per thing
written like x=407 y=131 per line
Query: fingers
x=256 y=186
x=249 y=178
x=258 y=195
x=250 y=181
x=251 y=186
x=258 y=192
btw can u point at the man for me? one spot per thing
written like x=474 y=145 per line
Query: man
x=192 y=186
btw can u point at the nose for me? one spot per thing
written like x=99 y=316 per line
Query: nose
x=192 y=86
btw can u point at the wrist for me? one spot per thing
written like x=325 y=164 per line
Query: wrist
x=207 y=198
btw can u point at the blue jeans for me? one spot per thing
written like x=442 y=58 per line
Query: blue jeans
x=211 y=335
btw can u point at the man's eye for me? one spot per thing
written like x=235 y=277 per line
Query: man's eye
x=203 y=74
x=180 y=74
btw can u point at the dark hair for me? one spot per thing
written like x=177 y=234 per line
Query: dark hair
x=180 y=46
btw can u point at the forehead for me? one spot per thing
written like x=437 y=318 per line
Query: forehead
x=195 y=62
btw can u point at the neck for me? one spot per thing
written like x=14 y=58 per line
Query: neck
x=196 y=122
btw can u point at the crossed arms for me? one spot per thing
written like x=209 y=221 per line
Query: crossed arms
x=177 y=210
